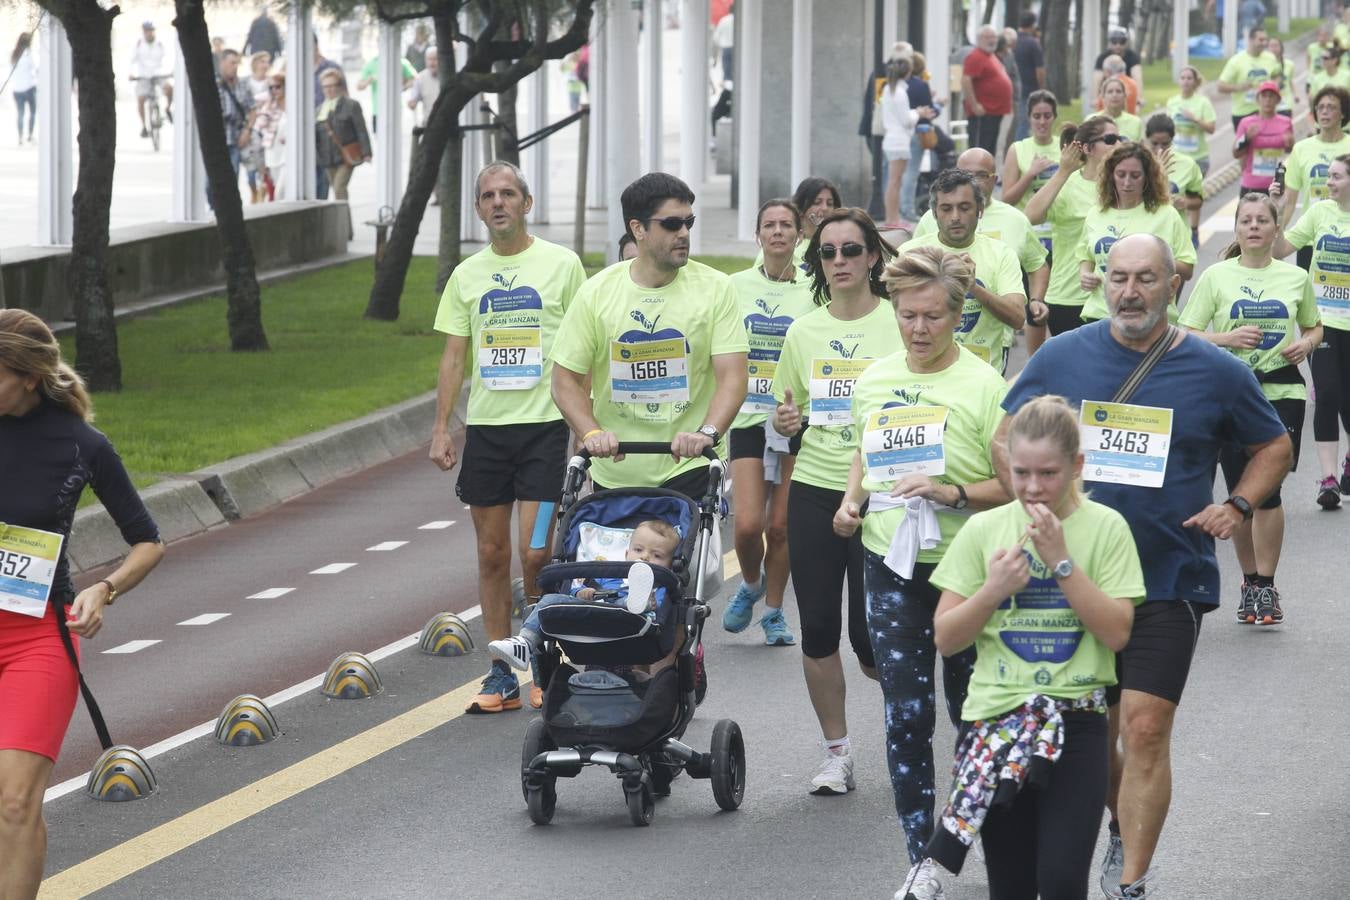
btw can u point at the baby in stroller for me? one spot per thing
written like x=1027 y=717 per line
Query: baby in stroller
x=653 y=541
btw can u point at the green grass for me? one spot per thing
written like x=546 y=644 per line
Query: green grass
x=188 y=402
x=1158 y=74
x=594 y=262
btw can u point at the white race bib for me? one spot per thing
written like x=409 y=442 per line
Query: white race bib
x=904 y=440
x=1332 y=290
x=28 y=560
x=649 y=371
x=832 y=389
x=759 y=388
x=510 y=359
x=1124 y=443
x=1265 y=162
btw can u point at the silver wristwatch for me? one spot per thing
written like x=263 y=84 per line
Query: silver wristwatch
x=1063 y=568
x=710 y=432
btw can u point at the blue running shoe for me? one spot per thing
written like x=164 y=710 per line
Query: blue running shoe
x=500 y=693
x=776 y=631
x=741 y=610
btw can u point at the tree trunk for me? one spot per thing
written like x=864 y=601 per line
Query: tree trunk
x=507 y=134
x=89 y=28
x=1059 y=77
x=452 y=188
x=244 y=314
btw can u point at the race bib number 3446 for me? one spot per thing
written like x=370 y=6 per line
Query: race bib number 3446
x=27 y=568
x=904 y=440
x=1125 y=444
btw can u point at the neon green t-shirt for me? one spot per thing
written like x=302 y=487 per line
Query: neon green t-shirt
x=1034 y=643
x=1229 y=295
x=821 y=360
x=649 y=351
x=1103 y=227
x=1190 y=140
x=1066 y=215
x=1027 y=150
x=1004 y=223
x=1327 y=230
x=1248 y=71
x=798 y=256
x=510 y=307
x=371 y=70
x=1307 y=167
x=1184 y=176
x=1129 y=125
x=970 y=393
x=1320 y=79
x=996 y=269
x=767 y=308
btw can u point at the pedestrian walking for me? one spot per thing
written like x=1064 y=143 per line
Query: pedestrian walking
x=987 y=89
x=255 y=167
x=23 y=82
x=1118 y=45
x=370 y=78
x=1031 y=64
x=898 y=122
x=416 y=51
x=237 y=109
x=341 y=140
x=270 y=129
x=264 y=36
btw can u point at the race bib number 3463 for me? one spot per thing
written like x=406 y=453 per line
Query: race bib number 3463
x=904 y=440
x=27 y=568
x=649 y=371
x=832 y=389
x=1125 y=444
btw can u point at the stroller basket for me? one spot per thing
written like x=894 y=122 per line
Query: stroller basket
x=624 y=719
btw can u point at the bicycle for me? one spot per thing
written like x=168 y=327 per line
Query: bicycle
x=154 y=119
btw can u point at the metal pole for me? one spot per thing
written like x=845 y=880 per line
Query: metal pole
x=623 y=164
x=1091 y=35
x=389 y=135
x=536 y=157
x=937 y=41
x=583 y=151
x=1181 y=37
x=471 y=227
x=748 y=111
x=1282 y=14
x=1230 y=29
x=599 y=119
x=56 y=155
x=298 y=177
x=890 y=25
x=653 y=107
x=694 y=110
x=799 y=165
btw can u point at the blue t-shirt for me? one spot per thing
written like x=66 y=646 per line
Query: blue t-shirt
x=1214 y=398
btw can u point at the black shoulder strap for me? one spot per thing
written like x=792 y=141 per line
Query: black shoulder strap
x=95 y=714
x=1151 y=358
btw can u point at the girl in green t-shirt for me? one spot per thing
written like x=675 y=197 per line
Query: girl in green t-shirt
x=1113 y=96
x=1193 y=114
x=1262 y=311
x=1028 y=167
x=1046 y=622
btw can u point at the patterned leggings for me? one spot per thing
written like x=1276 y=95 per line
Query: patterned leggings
x=900 y=619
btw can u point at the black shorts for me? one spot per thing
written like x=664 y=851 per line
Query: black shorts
x=693 y=484
x=748 y=442
x=1233 y=457
x=1157 y=659
x=505 y=463
x=1063 y=318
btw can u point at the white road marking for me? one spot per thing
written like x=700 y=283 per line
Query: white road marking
x=332 y=568
x=71 y=785
x=131 y=647
x=1220 y=222
x=205 y=619
x=435 y=526
x=386 y=545
x=269 y=594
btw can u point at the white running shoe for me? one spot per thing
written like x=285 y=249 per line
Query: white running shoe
x=640 y=582
x=835 y=775
x=515 y=651
x=921 y=883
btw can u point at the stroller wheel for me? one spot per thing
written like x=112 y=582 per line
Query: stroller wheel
x=641 y=804
x=542 y=801
x=728 y=764
x=536 y=742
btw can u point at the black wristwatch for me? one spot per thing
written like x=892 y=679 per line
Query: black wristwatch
x=711 y=432
x=1241 y=505
x=962 y=501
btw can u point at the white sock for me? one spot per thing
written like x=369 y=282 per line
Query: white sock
x=838 y=747
x=751 y=584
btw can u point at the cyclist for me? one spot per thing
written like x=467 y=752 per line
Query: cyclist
x=151 y=60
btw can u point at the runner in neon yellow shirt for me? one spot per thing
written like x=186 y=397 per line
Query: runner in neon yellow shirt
x=1133 y=199
x=1003 y=223
x=663 y=343
x=814 y=198
x=1064 y=202
x=1327 y=71
x=1185 y=182
x=996 y=304
x=770 y=298
x=1310 y=160
x=1113 y=105
x=501 y=310
x=1251 y=304
x=1325 y=228
x=823 y=355
x=921 y=461
x=1029 y=166
x=1044 y=590
x=1244 y=72
x=1193 y=115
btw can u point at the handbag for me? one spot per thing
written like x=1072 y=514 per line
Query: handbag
x=351 y=153
x=928 y=137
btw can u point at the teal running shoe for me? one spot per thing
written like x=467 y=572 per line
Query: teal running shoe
x=741 y=610
x=776 y=631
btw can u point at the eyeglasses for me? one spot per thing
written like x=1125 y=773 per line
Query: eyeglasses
x=849 y=250
x=675 y=223
x=276 y=87
x=1107 y=139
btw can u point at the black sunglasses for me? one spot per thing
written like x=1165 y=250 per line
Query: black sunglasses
x=675 y=223
x=849 y=250
x=1107 y=139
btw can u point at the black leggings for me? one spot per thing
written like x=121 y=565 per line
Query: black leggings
x=1043 y=844
x=820 y=561
x=1331 y=380
x=1064 y=318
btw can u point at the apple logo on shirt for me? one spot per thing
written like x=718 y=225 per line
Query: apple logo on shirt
x=650 y=334
x=508 y=298
x=765 y=323
x=970 y=313
x=1252 y=309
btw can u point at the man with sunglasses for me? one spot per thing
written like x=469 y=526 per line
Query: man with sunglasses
x=996 y=304
x=1008 y=225
x=661 y=342
x=1118 y=44
x=1243 y=74
x=500 y=312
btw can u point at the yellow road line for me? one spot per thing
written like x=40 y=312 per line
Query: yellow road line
x=731 y=566
x=177 y=835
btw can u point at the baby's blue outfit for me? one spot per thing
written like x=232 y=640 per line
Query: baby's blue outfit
x=620 y=585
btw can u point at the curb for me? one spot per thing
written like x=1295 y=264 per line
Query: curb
x=212 y=497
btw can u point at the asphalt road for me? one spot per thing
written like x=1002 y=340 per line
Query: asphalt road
x=400 y=796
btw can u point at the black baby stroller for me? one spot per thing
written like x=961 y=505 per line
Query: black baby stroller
x=628 y=723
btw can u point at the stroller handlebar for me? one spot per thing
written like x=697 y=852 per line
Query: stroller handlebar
x=647 y=448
